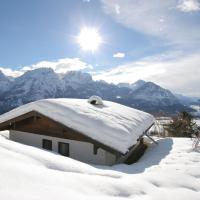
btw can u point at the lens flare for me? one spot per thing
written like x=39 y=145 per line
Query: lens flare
x=89 y=39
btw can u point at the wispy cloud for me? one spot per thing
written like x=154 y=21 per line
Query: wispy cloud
x=59 y=66
x=119 y=55
x=189 y=5
x=117 y=8
x=177 y=73
x=164 y=19
x=87 y=1
x=10 y=72
x=172 y=70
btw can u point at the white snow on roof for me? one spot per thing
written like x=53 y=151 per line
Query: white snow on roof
x=111 y=124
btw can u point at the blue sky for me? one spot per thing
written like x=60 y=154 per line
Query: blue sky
x=151 y=40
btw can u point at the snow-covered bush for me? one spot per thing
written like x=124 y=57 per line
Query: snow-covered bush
x=182 y=125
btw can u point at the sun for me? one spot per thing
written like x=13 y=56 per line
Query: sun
x=89 y=39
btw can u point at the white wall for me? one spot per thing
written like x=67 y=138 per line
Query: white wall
x=82 y=151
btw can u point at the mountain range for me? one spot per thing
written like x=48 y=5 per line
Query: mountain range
x=45 y=83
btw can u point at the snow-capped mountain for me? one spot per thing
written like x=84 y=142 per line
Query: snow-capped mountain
x=45 y=83
x=154 y=93
x=33 y=85
x=75 y=79
x=151 y=96
x=133 y=86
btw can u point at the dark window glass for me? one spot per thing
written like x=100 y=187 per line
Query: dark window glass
x=47 y=144
x=95 y=150
x=63 y=148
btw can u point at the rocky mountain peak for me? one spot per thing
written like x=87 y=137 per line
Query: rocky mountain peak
x=132 y=86
x=4 y=82
x=38 y=73
x=76 y=78
x=45 y=83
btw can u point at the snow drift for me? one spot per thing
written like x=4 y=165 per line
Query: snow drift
x=169 y=170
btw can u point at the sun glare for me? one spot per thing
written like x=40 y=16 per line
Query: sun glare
x=89 y=39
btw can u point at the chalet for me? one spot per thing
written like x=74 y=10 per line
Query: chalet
x=92 y=131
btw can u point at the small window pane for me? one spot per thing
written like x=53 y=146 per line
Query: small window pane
x=63 y=149
x=47 y=144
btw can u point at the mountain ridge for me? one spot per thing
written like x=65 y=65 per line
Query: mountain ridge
x=45 y=83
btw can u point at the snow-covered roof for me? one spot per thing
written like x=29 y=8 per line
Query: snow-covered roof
x=111 y=124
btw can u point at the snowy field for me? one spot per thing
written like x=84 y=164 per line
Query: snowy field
x=167 y=171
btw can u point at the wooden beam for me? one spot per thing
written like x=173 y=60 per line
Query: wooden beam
x=27 y=123
x=37 y=123
x=16 y=119
x=136 y=153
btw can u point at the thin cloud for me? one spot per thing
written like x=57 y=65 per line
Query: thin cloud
x=59 y=66
x=162 y=19
x=117 y=8
x=189 y=5
x=10 y=72
x=119 y=55
x=178 y=74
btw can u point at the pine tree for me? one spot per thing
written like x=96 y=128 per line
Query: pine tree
x=182 y=126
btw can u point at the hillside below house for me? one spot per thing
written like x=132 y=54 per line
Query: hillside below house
x=95 y=132
x=169 y=170
x=44 y=83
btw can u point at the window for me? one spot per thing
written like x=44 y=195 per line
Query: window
x=47 y=144
x=95 y=150
x=63 y=148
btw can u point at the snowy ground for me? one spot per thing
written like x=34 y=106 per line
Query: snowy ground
x=170 y=170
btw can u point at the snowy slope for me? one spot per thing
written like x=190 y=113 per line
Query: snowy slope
x=152 y=92
x=134 y=86
x=112 y=124
x=31 y=86
x=167 y=171
x=37 y=84
x=4 y=83
x=153 y=98
x=76 y=78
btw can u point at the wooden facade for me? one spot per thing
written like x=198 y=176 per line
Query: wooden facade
x=34 y=122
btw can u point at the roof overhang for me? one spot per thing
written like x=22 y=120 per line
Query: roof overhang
x=10 y=125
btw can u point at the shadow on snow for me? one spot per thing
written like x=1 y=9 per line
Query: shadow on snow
x=153 y=156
